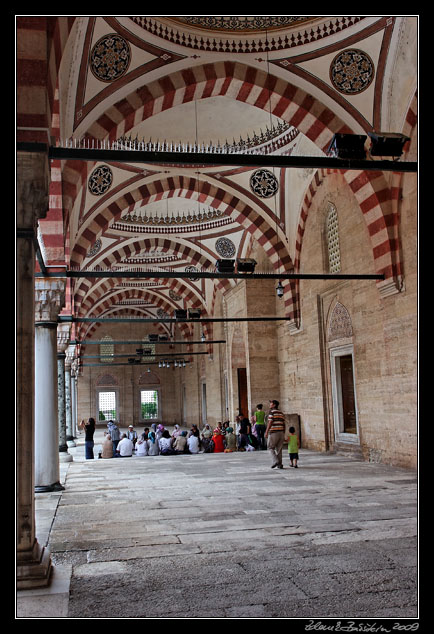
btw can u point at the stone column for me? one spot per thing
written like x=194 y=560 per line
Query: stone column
x=33 y=560
x=62 y=344
x=69 y=396
x=49 y=301
x=74 y=399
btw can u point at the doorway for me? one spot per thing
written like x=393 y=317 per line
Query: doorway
x=242 y=392
x=344 y=395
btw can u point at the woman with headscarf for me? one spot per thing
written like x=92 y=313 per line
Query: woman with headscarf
x=217 y=439
x=176 y=432
x=207 y=441
x=230 y=440
x=153 y=449
x=159 y=432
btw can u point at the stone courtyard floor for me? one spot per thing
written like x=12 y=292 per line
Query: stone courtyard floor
x=225 y=536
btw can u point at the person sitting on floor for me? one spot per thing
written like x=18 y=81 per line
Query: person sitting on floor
x=153 y=448
x=165 y=444
x=180 y=444
x=107 y=447
x=141 y=446
x=125 y=447
x=207 y=442
x=217 y=439
x=193 y=443
x=230 y=440
x=176 y=431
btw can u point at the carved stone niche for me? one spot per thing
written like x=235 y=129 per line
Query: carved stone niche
x=340 y=326
x=106 y=380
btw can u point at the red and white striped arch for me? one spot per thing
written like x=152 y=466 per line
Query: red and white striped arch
x=227 y=78
x=256 y=224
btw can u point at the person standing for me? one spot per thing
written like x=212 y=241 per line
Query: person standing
x=89 y=430
x=275 y=434
x=293 y=447
x=260 y=426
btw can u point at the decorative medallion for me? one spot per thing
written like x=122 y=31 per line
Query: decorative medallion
x=100 y=180
x=94 y=248
x=352 y=71
x=192 y=269
x=161 y=314
x=264 y=183
x=110 y=57
x=225 y=247
x=174 y=296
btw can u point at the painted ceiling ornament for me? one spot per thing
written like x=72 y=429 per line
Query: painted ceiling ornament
x=100 y=180
x=174 y=296
x=94 y=248
x=192 y=269
x=242 y=23
x=110 y=57
x=264 y=183
x=352 y=71
x=225 y=247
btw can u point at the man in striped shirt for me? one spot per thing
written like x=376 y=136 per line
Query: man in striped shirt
x=275 y=434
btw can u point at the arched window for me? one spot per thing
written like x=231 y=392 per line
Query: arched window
x=106 y=350
x=332 y=239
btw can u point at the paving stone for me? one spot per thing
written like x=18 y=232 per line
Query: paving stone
x=224 y=536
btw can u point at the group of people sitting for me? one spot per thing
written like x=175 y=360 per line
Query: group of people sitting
x=157 y=440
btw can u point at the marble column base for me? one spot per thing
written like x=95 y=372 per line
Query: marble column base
x=34 y=568
x=48 y=488
x=64 y=456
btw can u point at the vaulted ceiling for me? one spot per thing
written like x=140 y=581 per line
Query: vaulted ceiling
x=267 y=84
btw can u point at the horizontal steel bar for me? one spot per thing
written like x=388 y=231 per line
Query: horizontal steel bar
x=214 y=275
x=210 y=159
x=170 y=355
x=86 y=342
x=138 y=320
x=88 y=365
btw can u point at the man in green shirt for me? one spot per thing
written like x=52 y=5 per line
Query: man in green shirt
x=260 y=426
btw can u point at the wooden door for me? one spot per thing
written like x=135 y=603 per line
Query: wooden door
x=242 y=392
x=348 y=399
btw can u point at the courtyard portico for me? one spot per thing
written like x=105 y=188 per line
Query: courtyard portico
x=210 y=215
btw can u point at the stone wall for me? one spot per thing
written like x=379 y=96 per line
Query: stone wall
x=383 y=337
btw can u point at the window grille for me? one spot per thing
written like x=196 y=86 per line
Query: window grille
x=107 y=406
x=149 y=404
x=106 y=350
x=332 y=239
x=148 y=350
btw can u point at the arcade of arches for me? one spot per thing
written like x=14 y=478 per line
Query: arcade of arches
x=342 y=354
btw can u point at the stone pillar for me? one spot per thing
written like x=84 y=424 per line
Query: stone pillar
x=33 y=560
x=69 y=396
x=49 y=301
x=74 y=399
x=62 y=344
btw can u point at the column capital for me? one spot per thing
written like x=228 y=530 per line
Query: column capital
x=32 y=188
x=63 y=337
x=49 y=299
x=70 y=356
